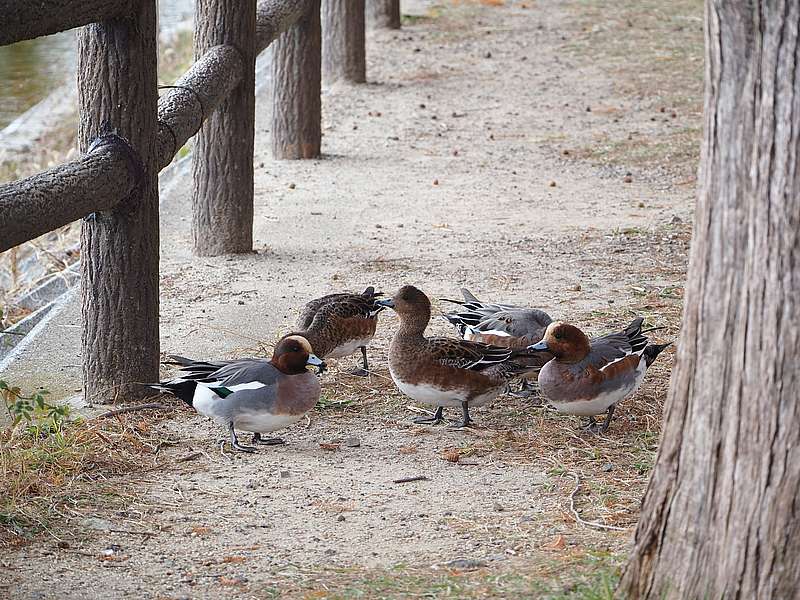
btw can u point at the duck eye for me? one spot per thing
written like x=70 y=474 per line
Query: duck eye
x=558 y=335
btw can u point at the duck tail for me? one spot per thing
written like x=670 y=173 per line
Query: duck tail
x=652 y=351
x=469 y=296
x=181 y=388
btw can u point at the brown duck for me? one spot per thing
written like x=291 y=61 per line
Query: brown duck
x=443 y=371
x=337 y=325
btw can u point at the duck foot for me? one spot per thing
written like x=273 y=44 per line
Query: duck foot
x=364 y=370
x=434 y=420
x=594 y=427
x=235 y=441
x=466 y=420
x=257 y=439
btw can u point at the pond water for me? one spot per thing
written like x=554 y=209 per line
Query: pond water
x=30 y=70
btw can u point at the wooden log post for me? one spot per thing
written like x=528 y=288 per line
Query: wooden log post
x=296 y=108
x=383 y=14
x=343 y=44
x=117 y=69
x=222 y=163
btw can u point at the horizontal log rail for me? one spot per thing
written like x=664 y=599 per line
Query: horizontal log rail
x=30 y=19
x=96 y=181
x=33 y=206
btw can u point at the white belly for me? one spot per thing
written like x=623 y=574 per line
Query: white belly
x=347 y=348
x=588 y=408
x=263 y=422
x=435 y=396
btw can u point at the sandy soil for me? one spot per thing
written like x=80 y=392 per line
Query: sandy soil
x=454 y=166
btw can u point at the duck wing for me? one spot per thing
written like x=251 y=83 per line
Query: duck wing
x=229 y=372
x=344 y=299
x=497 y=319
x=615 y=347
x=462 y=354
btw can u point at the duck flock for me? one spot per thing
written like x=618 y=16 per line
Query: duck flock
x=497 y=343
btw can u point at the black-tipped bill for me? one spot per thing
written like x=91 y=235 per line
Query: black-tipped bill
x=388 y=303
x=314 y=361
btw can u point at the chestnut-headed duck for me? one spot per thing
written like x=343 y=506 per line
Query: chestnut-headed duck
x=505 y=325
x=442 y=371
x=590 y=377
x=337 y=325
x=250 y=394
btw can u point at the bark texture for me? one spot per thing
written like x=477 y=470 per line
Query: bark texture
x=296 y=108
x=721 y=516
x=28 y=19
x=198 y=93
x=383 y=14
x=273 y=17
x=343 y=43
x=96 y=182
x=222 y=163
x=119 y=247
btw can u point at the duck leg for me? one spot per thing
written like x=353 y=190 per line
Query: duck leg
x=607 y=422
x=362 y=371
x=466 y=420
x=436 y=418
x=591 y=425
x=235 y=441
x=257 y=439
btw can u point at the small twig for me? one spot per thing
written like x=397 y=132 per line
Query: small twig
x=6 y=332
x=127 y=409
x=190 y=457
x=144 y=533
x=410 y=479
x=594 y=524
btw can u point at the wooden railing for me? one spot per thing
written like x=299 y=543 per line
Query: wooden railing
x=128 y=134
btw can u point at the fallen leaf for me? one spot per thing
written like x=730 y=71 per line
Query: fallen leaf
x=559 y=543
x=234 y=559
x=329 y=447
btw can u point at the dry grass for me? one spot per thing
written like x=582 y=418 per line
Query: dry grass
x=48 y=481
x=664 y=83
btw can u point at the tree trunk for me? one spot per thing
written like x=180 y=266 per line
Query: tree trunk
x=383 y=14
x=119 y=247
x=721 y=516
x=296 y=106
x=222 y=163
x=343 y=45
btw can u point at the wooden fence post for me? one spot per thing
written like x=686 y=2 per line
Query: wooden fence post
x=343 y=46
x=222 y=164
x=119 y=247
x=383 y=14
x=296 y=108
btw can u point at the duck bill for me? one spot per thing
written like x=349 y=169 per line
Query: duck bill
x=314 y=361
x=387 y=303
x=539 y=347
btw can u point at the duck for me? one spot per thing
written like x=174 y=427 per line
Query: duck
x=441 y=371
x=250 y=394
x=589 y=377
x=338 y=324
x=505 y=325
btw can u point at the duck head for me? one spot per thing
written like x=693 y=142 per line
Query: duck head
x=565 y=342
x=292 y=354
x=412 y=306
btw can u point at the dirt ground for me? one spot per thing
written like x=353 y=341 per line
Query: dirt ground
x=536 y=153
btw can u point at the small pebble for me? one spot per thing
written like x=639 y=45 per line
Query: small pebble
x=292 y=186
x=608 y=467
x=284 y=474
x=352 y=442
x=575 y=288
x=435 y=182
x=627 y=179
x=340 y=518
x=552 y=184
x=488 y=55
x=497 y=507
